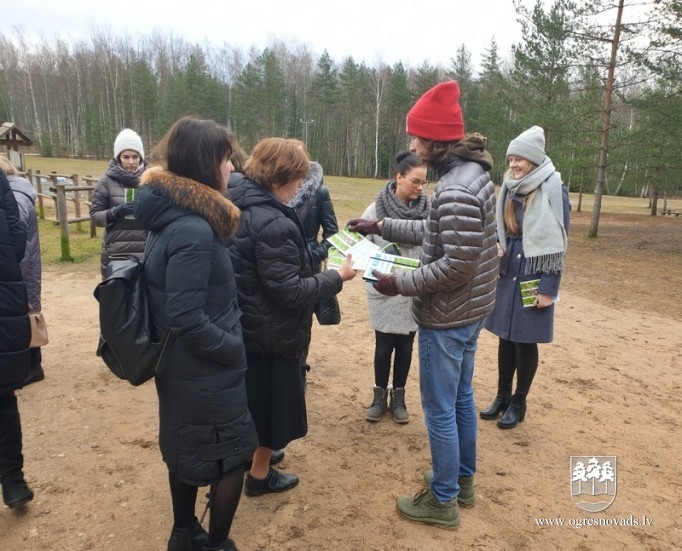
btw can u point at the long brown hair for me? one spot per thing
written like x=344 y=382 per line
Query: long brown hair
x=195 y=149
x=510 y=224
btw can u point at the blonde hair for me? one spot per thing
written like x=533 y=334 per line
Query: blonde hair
x=276 y=161
x=511 y=227
x=7 y=167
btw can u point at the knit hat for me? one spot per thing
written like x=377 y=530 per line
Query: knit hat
x=437 y=115
x=530 y=144
x=128 y=139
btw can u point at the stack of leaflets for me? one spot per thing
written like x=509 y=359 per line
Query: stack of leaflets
x=529 y=290
x=367 y=256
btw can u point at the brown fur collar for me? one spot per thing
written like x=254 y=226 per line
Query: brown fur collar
x=218 y=210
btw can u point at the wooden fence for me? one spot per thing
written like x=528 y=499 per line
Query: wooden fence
x=64 y=190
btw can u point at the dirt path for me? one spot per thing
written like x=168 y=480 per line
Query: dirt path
x=608 y=386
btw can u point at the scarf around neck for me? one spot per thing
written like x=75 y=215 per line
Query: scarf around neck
x=388 y=205
x=543 y=234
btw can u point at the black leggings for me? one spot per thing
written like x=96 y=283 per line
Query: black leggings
x=519 y=357
x=386 y=343
x=224 y=499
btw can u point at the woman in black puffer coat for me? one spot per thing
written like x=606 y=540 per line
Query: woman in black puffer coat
x=277 y=292
x=15 y=356
x=206 y=431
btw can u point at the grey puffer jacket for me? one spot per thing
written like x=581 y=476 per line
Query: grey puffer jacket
x=121 y=235
x=31 y=265
x=455 y=285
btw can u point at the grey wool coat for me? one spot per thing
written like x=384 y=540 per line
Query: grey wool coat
x=509 y=320
x=205 y=426
x=390 y=314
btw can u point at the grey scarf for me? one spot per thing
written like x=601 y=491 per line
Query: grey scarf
x=388 y=205
x=543 y=233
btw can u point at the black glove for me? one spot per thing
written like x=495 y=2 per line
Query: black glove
x=363 y=226
x=123 y=210
x=386 y=284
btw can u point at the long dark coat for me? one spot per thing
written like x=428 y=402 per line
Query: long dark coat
x=205 y=426
x=509 y=320
x=15 y=328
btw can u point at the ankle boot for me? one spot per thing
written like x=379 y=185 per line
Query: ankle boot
x=515 y=414
x=467 y=495
x=227 y=545
x=193 y=538
x=398 y=407
x=379 y=405
x=15 y=491
x=498 y=406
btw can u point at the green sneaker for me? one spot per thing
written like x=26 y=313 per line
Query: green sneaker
x=426 y=509
x=466 y=497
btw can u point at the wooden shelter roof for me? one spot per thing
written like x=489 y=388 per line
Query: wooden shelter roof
x=12 y=136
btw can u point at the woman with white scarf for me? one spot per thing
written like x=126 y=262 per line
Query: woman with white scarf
x=533 y=212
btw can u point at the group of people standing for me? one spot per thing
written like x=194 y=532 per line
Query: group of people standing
x=234 y=273
x=475 y=253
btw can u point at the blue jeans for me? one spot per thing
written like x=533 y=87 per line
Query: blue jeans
x=446 y=369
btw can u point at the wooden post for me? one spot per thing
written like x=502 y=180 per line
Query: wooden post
x=37 y=182
x=90 y=181
x=77 y=201
x=63 y=220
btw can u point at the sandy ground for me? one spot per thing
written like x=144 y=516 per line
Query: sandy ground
x=608 y=386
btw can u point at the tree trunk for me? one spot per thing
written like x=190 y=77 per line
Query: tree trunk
x=606 y=125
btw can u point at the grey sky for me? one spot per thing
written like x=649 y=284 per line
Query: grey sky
x=369 y=30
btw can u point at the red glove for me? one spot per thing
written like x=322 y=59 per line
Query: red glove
x=364 y=226
x=386 y=284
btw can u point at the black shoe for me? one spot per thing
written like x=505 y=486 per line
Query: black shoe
x=34 y=375
x=227 y=545
x=273 y=483
x=275 y=457
x=514 y=415
x=193 y=538
x=498 y=406
x=15 y=492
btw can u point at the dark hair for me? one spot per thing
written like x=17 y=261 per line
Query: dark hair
x=276 y=161
x=238 y=155
x=195 y=149
x=405 y=160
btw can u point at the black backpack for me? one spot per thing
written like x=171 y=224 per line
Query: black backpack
x=127 y=341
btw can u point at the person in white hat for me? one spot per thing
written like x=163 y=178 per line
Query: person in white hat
x=533 y=211
x=112 y=201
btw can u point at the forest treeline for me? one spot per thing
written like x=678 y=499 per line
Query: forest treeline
x=74 y=97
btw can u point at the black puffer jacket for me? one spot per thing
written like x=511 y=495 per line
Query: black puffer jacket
x=15 y=329
x=277 y=288
x=205 y=425
x=121 y=235
x=315 y=210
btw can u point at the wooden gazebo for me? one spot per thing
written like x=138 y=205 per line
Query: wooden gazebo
x=13 y=137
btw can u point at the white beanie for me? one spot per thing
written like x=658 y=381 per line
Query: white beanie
x=530 y=144
x=128 y=139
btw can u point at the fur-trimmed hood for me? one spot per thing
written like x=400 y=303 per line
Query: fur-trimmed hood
x=162 y=193
x=311 y=183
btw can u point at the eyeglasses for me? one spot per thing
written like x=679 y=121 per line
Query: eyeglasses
x=416 y=182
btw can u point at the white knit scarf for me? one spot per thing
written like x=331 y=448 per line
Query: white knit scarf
x=543 y=233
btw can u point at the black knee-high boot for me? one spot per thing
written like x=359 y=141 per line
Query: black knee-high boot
x=15 y=492
x=506 y=365
x=527 y=366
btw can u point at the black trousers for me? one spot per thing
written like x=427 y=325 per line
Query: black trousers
x=11 y=458
x=385 y=346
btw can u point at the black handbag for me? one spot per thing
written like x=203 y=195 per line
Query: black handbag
x=328 y=311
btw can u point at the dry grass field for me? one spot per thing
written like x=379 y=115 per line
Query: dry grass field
x=607 y=386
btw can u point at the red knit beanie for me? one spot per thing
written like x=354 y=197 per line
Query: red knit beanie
x=437 y=115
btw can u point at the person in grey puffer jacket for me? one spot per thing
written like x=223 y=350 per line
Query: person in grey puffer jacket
x=31 y=265
x=454 y=291
x=112 y=201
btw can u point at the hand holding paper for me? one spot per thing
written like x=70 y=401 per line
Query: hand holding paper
x=386 y=284
x=365 y=227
